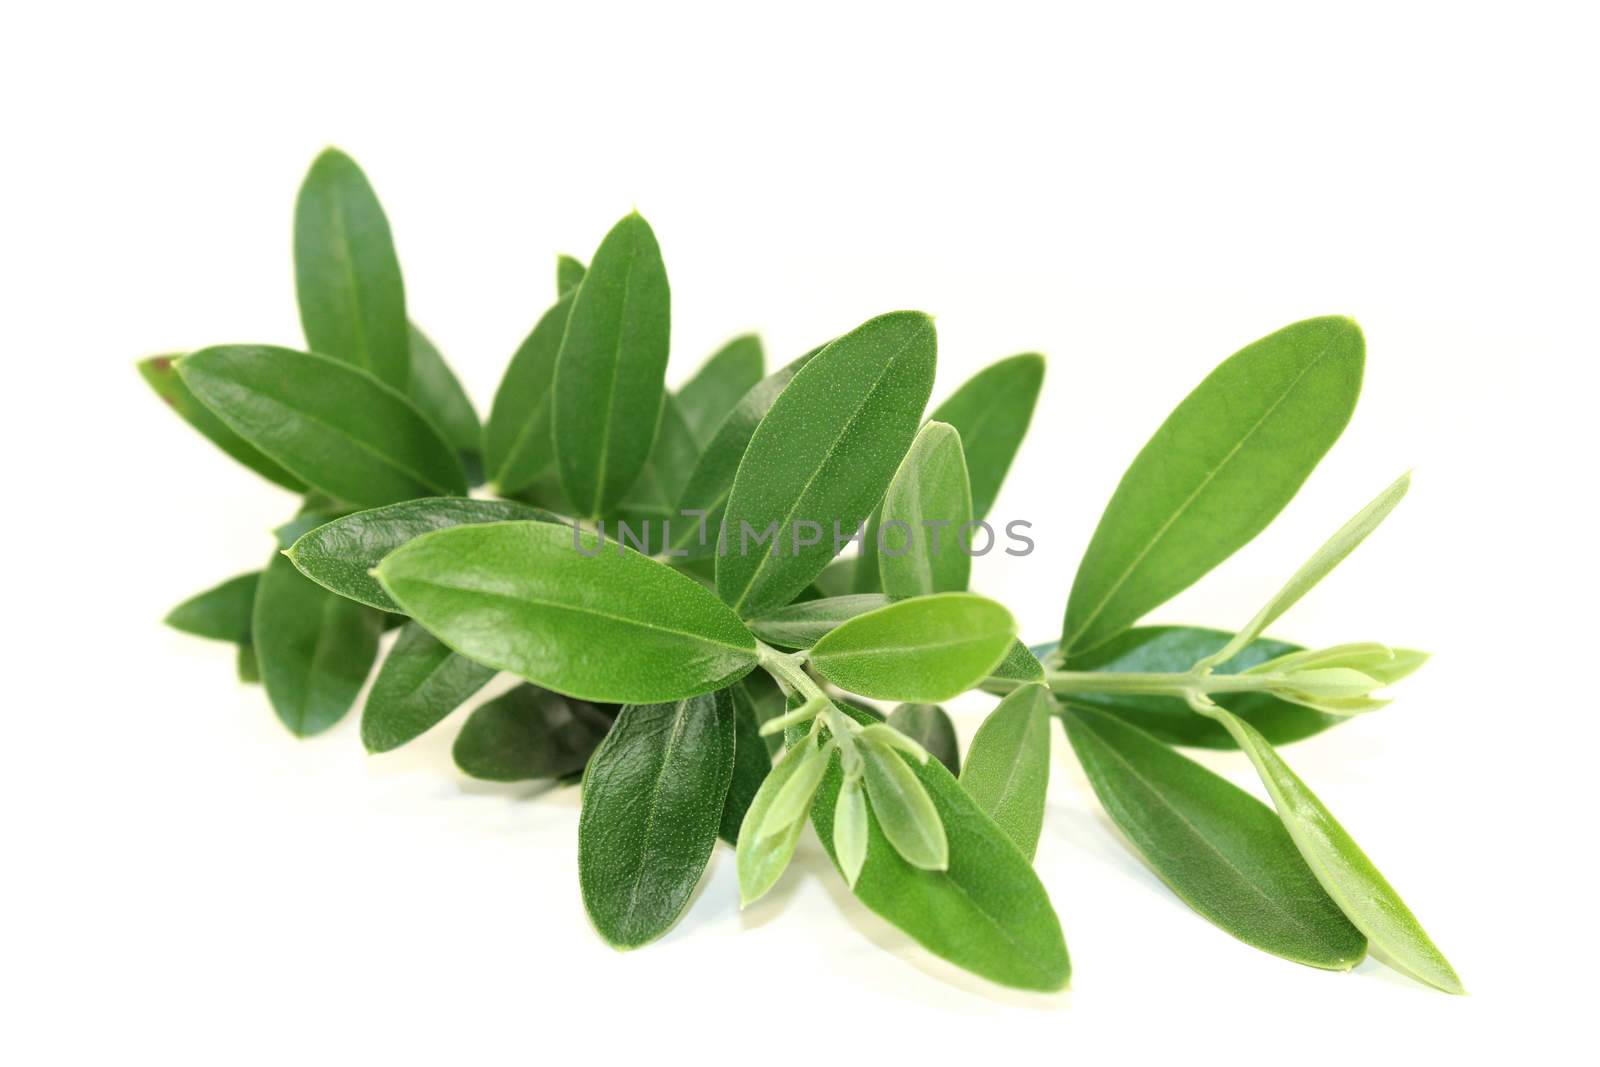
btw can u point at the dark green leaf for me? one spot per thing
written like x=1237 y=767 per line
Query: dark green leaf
x=803 y=624
x=331 y=425
x=612 y=626
x=221 y=613
x=730 y=373
x=924 y=513
x=438 y=394
x=768 y=702
x=518 y=446
x=1219 y=469
x=991 y=411
x=752 y=761
x=1008 y=765
x=987 y=912
x=421 y=681
x=930 y=727
x=824 y=455
x=160 y=373
x=347 y=277
x=341 y=554
x=607 y=389
x=530 y=733
x=315 y=648
x=653 y=500
x=249 y=670
x=922 y=650
x=652 y=803
x=1221 y=850
x=569 y=272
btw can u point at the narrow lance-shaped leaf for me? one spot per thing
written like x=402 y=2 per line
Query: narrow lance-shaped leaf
x=1008 y=765
x=922 y=548
x=608 y=379
x=762 y=858
x=569 y=272
x=922 y=650
x=530 y=733
x=731 y=372
x=987 y=912
x=752 y=762
x=555 y=607
x=221 y=613
x=649 y=510
x=335 y=427
x=1349 y=877
x=160 y=373
x=518 y=443
x=904 y=811
x=1224 y=463
x=652 y=803
x=822 y=458
x=437 y=392
x=347 y=277
x=929 y=726
x=314 y=648
x=421 y=681
x=803 y=624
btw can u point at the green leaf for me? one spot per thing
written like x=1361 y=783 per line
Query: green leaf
x=421 y=681
x=160 y=373
x=991 y=412
x=340 y=555
x=530 y=733
x=654 y=497
x=249 y=669
x=569 y=272
x=930 y=727
x=768 y=701
x=752 y=761
x=1173 y=649
x=904 y=811
x=709 y=483
x=791 y=803
x=987 y=912
x=928 y=505
x=1222 y=851
x=652 y=803
x=607 y=389
x=762 y=858
x=921 y=650
x=315 y=648
x=731 y=372
x=803 y=624
x=852 y=830
x=437 y=392
x=824 y=455
x=613 y=626
x=347 y=277
x=1020 y=665
x=518 y=445
x=1219 y=469
x=331 y=425
x=221 y=613
x=1349 y=877
x=1008 y=765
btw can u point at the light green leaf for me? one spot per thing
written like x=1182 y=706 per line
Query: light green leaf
x=904 y=810
x=1222 y=851
x=931 y=728
x=518 y=443
x=347 y=277
x=823 y=455
x=1020 y=665
x=334 y=427
x=1008 y=765
x=793 y=801
x=803 y=624
x=761 y=859
x=221 y=613
x=652 y=802
x=314 y=648
x=928 y=504
x=569 y=272
x=1219 y=469
x=341 y=554
x=530 y=733
x=607 y=389
x=731 y=372
x=611 y=626
x=421 y=681
x=1349 y=877
x=160 y=373
x=437 y=392
x=921 y=650
x=851 y=830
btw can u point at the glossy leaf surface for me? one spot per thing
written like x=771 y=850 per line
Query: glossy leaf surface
x=331 y=425
x=991 y=411
x=752 y=761
x=803 y=624
x=615 y=626
x=437 y=392
x=1008 y=765
x=825 y=453
x=347 y=277
x=731 y=372
x=421 y=681
x=1224 y=463
x=161 y=374
x=929 y=726
x=922 y=650
x=340 y=555
x=221 y=613
x=652 y=803
x=922 y=548
x=518 y=443
x=528 y=733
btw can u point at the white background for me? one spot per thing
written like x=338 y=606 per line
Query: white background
x=1134 y=190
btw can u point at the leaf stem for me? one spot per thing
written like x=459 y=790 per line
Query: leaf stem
x=1184 y=684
